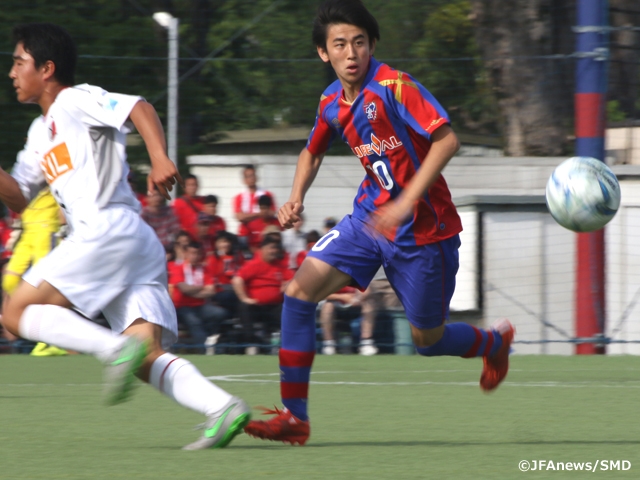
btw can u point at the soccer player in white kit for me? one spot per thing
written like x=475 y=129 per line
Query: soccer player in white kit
x=112 y=261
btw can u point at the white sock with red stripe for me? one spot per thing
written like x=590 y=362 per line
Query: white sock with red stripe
x=180 y=380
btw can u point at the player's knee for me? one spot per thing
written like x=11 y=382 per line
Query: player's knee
x=10 y=282
x=11 y=319
x=293 y=290
x=424 y=338
x=153 y=353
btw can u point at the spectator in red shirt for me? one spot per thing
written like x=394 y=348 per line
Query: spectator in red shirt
x=245 y=204
x=203 y=236
x=312 y=237
x=223 y=265
x=259 y=285
x=180 y=247
x=210 y=208
x=188 y=206
x=161 y=218
x=190 y=285
x=257 y=226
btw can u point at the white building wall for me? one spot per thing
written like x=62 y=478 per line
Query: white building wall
x=529 y=260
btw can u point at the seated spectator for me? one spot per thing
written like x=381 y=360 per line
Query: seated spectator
x=294 y=241
x=161 y=218
x=328 y=224
x=245 y=204
x=180 y=247
x=210 y=208
x=265 y=218
x=203 y=236
x=132 y=179
x=190 y=285
x=312 y=238
x=347 y=305
x=259 y=285
x=223 y=265
x=188 y=206
x=276 y=232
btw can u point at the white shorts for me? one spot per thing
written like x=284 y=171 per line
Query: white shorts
x=115 y=264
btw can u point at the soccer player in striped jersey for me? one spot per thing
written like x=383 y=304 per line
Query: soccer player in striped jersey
x=403 y=216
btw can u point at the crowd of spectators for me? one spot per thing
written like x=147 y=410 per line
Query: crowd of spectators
x=228 y=287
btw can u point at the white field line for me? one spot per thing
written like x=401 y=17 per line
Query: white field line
x=585 y=384
x=263 y=378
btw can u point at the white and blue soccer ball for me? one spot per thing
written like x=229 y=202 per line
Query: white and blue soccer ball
x=583 y=194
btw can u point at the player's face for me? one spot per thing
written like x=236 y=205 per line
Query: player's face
x=28 y=81
x=348 y=50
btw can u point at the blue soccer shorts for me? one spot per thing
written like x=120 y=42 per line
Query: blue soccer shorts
x=423 y=277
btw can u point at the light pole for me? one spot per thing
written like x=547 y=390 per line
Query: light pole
x=169 y=22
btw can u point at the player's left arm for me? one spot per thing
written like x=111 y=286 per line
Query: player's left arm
x=444 y=146
x=163 y=174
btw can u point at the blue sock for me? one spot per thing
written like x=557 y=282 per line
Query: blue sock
x=296 y=354
x=464 y=340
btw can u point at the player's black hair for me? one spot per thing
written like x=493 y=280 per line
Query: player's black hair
x=211 y=199
x=350 y=12
x=265 y=201
x=48 y=42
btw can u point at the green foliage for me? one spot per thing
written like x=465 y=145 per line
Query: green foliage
x=265 y=72
x=614 y=112
x=452 y=69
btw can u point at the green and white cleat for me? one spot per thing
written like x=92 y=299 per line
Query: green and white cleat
x=119 y=373
x=221 y=427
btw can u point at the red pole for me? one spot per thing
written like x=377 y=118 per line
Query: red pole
x=591 y=90
x=590 y=291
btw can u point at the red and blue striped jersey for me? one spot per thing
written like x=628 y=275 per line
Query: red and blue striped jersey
x=389 y=127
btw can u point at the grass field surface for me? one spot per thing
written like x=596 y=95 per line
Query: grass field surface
x=383 y=417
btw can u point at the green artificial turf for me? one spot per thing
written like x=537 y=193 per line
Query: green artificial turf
x=395 y=417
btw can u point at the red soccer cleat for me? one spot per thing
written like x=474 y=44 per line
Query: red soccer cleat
x=284 y=427
x=496 y=367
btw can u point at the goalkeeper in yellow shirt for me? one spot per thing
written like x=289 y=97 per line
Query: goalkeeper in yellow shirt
x=40 y=224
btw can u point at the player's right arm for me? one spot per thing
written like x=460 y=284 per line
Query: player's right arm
x=306 y=171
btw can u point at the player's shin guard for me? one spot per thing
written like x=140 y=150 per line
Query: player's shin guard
x=296 y=354
x=464 y=340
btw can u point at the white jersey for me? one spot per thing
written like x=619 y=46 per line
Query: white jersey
x=78 y=148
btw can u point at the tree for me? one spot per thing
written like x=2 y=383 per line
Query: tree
x=517 y=39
